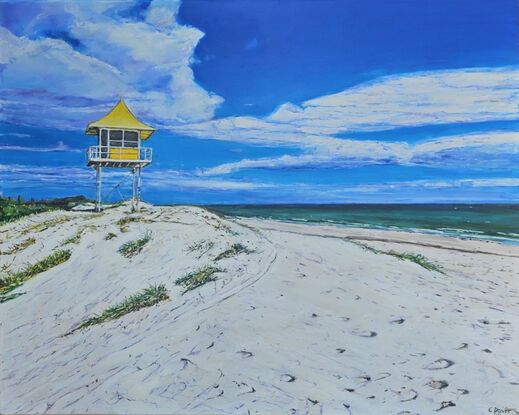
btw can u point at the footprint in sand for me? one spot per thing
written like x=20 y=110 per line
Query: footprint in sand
x=363 y=333
x=437 y=384
x=439 y=364
x=445 y=404
x=406 y=395
x=245 y=353
x=287 y=378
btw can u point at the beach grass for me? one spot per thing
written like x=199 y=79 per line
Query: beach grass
x=14 y=249
x=16 y=279
x=124 y=222
x=74 y=239
x=233 y=250
x=200 y=245
x=132 y=248
x=148 y=297
x=417 y=259
x=110 y=235
x=197 y=278
x=40 y=227
x=200 y=248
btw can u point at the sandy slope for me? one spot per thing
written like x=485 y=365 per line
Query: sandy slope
x=310 y=322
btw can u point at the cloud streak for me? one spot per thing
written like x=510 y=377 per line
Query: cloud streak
x=81 y=177
x=497 y=149
x=406 y=100
x=60 y=147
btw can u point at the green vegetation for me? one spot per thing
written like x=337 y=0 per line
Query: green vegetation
x=110 y=235
x=201 y=247
x=197 y=278
x=14 y=209
x=6 y=297
x=132 y=248
x=416 y=258
x=19 y=247
x=406 y=256
x=40 y=227
x=74 y=239
x=123 y=222
x=235 y=249
x=147 y=298
x=16 y=279
x=11 y=210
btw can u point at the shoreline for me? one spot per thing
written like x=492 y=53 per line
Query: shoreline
x=375 y=228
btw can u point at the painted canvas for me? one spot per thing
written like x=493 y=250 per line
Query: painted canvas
x=259 y=207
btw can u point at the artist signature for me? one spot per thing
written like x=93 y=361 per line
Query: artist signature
x=501 y=411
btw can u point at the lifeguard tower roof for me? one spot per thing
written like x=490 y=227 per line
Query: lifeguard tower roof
x=120 y=117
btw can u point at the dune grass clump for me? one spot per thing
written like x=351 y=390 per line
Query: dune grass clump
x=6 y=297
x=234 y=249
x=132 y=248
x=110 y=235
x=40 y=227
x=16 y=279
x=197 y=278
x=74 y=239
x=406 y=256
x=148 y=297
x=124 y=222
x=201 y=248
x=14 y=249
x=417 y=259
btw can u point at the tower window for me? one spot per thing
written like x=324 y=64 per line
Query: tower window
x=131 y=139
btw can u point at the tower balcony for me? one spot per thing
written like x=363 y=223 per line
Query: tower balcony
x=104 y=156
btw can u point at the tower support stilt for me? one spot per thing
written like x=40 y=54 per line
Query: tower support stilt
x=98 y=188
x=133 y=189
x=138 y=187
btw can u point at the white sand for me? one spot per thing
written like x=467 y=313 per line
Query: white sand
x=310 y=322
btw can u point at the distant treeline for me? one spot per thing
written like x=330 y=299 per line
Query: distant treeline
x=14 y=208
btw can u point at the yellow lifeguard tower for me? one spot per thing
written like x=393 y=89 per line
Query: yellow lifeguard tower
x=119 y=145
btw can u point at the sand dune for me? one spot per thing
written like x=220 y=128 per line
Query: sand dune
x=308 y=319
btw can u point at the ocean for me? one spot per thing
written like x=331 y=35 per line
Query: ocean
x=497 y=222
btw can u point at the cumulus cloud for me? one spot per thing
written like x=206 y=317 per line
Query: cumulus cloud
x=101 y=54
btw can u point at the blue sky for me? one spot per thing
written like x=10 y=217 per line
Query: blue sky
x=267 y=101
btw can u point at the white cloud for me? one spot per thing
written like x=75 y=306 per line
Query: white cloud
x=83 y=176
x=147 y=62
x=60 y=147
x=463 y=95
x=492 y=146
x=32 y=66
x=436 y=97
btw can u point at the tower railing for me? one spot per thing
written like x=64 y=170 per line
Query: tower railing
x=126 y=154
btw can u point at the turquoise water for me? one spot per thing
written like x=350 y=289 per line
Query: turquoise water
x=497 y=222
